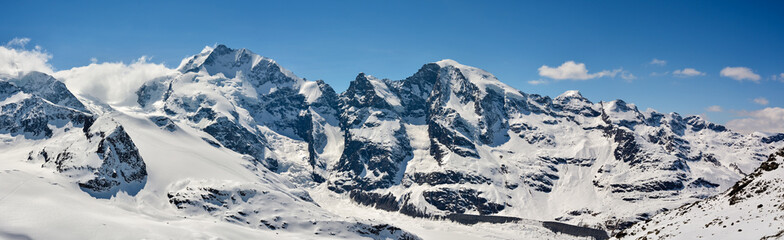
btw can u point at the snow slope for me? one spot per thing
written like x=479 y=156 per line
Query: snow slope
x=751 y=209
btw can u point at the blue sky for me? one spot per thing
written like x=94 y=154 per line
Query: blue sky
x=391 y=39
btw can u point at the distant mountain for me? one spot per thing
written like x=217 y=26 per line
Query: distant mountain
x=236 y=137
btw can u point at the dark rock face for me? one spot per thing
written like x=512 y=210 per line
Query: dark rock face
x=122 y=167
x=576 y=231
x=211 y=199
x=461 y=201
x=774 y=138
x=164 y=123
x=698 y=124
x=648 y=187
x=368 y=163
x=628 y=150
x=386 y=202
x=442 y=140
x=702 y=183
x=282 y=111
x=541 y=181
x=447 y=177
x=493 y=125
x=447 y=129
x=240 y=140
x=415 y=90
x=31 y=116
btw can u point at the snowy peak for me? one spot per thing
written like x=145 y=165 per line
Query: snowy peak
x=571 y=94
x=47 y=87
x=243 y=63
x=620 y=106
x=572 y=98
x=476 y=76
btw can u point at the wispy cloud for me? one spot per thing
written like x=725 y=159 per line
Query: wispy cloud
x=761 y=101
x=740 y=74
x=658 y=62
x=625 y=75
x=537 y=82
x=779 y=77
x=687 y=72
x=17 y=43
x=714 y=108
x=770 y=120
x=571 y=70
x=656 y=74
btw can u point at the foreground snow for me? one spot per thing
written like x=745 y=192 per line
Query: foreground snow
x=752 y=209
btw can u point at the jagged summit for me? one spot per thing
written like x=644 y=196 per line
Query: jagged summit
x=238 y=62
x=47 y=87
x=482 y=79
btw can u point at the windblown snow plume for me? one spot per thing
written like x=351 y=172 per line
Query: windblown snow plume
x=113 y=83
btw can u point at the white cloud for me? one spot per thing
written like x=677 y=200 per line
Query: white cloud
x=574 y=71
x=656 y=74
x=112 y=83
x=770 y=120
x=687 y=72
x=18 y=42
x=537 y=82
x=714 y=108
x=761 y=101
x=740 y=74
x=658 y=62
x=17 y=61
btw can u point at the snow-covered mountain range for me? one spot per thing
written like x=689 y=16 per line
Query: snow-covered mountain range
x=235 y=141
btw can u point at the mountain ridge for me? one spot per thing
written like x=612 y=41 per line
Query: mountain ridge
x=448 y=140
